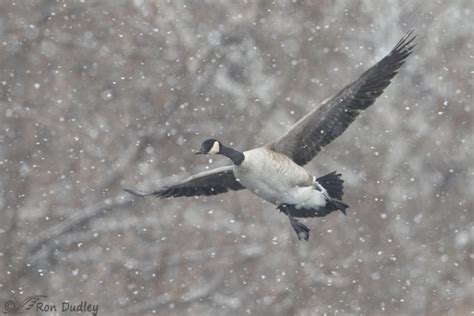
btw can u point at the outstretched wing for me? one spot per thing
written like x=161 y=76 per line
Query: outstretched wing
x=325 y=123
x=212 y=182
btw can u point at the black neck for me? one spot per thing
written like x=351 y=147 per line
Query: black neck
x=236 y=156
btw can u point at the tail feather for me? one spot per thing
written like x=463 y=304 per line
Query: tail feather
x=334 y=204
x=333 y=184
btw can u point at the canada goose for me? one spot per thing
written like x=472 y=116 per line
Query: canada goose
x=274 y=172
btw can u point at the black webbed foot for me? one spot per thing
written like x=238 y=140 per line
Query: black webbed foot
x=302 y=231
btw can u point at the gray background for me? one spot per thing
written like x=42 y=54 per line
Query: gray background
x=97 y=96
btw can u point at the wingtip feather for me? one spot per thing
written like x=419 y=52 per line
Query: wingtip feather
x=137 y=193
x=403 y=45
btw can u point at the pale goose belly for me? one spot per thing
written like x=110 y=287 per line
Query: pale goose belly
x=277 y=179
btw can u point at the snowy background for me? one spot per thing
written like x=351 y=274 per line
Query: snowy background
x=97 y=96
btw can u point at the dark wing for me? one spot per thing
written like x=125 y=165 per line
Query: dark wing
x=210 y=182
x=325 y=123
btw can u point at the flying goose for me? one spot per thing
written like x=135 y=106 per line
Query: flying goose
x=275 y=171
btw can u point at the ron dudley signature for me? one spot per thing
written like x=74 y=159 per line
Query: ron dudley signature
x=35 y=303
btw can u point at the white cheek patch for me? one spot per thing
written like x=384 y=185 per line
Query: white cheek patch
x=215 y=148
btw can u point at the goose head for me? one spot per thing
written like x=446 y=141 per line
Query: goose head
x=210 y=146
x=213 y=146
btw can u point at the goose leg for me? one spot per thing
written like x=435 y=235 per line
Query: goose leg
x=302 y=231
